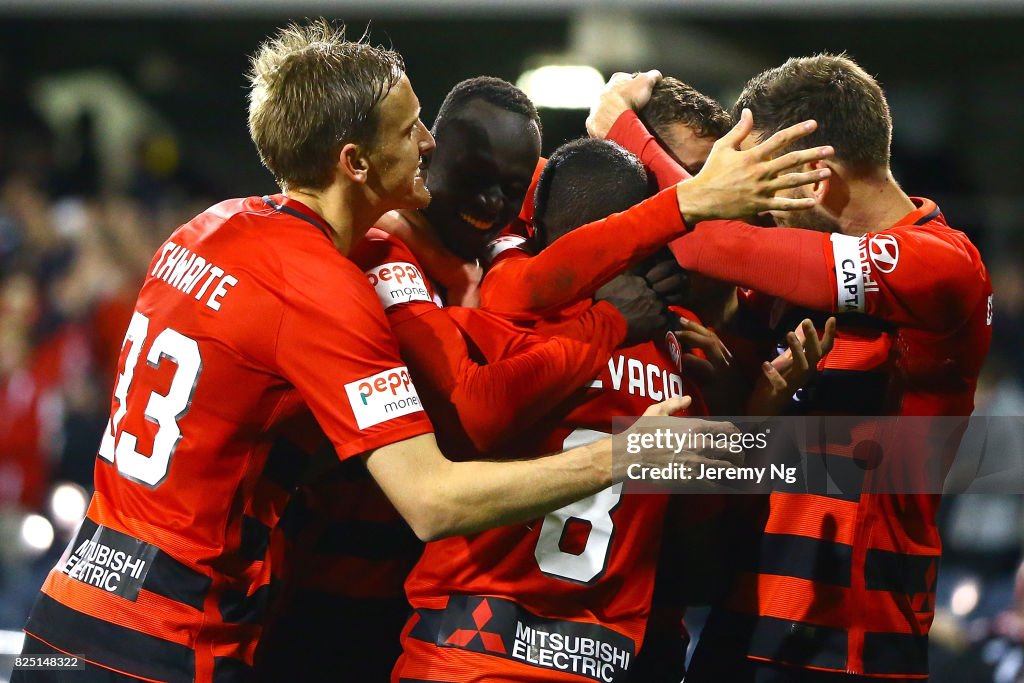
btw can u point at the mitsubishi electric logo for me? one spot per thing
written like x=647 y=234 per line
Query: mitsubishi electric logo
x=491 y=642
x=884 y=252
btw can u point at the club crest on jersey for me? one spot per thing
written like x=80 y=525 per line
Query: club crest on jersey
x=884 y=252
x=382 y=397
x=675 y=350
x=398 y=283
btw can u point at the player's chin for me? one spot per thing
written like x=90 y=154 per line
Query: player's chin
x=418 y=197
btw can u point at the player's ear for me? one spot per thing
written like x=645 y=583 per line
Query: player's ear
x=354 y=163
x=819 y=189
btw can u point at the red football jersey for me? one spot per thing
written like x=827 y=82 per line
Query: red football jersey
x=914 y=305
x=238 y=346
x=564 y=598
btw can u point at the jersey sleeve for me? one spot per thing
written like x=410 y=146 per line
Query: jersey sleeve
x=395 y=275
x=905 y=275
x=493 y=379
x=480 y=375
x=577 y=264
x=631 y=134
x=930 y=279
x=333 y=344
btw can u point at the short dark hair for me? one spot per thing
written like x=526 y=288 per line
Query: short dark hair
x=835 y=91
x=673 y=101
x=312 y=92
x=496 y=91
x=586 y=180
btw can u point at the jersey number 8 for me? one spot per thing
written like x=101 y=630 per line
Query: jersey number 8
x=589 y=565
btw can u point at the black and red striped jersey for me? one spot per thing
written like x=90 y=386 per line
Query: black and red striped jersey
x=237 y=356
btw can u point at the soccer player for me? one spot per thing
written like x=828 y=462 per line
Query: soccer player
x=915 y=311
x=344 y=550
x=252 y=326
x=487 y=605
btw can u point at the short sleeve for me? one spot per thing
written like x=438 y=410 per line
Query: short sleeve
x=334 y=345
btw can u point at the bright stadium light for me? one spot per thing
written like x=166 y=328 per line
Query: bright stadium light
x=67 y=505
x=36 y=534
x=965 y=598
x=562 y=86
x=11 y=642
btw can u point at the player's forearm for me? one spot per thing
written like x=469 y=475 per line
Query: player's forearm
x=473 y=496
x=439 y=497
x=601 y=324
x=789 y=263
x=526 y=385
x=629 y=132
x=577 y=264
x=524 y=375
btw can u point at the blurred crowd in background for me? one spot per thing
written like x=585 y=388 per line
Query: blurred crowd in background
x=77 y=231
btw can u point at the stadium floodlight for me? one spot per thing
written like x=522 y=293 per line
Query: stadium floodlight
x=68 y=503
x=965 y=598
x=557 y=86
x=36 y=534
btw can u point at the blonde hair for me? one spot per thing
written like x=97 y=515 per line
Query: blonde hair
x=311 y=91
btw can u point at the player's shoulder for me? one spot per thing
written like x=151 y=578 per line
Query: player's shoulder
x=379 y=247
x=926 y=231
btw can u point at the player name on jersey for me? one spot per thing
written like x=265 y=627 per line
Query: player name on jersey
x=647 y=380
x=185 y=270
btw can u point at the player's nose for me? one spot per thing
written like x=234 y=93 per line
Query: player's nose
x=492 y=200
x=427 y=143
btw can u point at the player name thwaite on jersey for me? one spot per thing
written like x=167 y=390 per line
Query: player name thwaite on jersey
x=180 y=268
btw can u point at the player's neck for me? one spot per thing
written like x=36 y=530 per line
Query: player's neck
x=348 y=216
x=874 y=204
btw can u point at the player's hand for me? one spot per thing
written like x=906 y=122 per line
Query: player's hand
x=621 y=93
x=668 y=407
x=644 y=312
x=792 y=369
x=736 y=183
x=668 y=279
x=714 y=355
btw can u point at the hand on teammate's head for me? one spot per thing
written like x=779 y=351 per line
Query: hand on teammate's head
x=621 y=93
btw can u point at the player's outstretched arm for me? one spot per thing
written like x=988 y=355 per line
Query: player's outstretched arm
x=439 y=497
x=733 y=183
